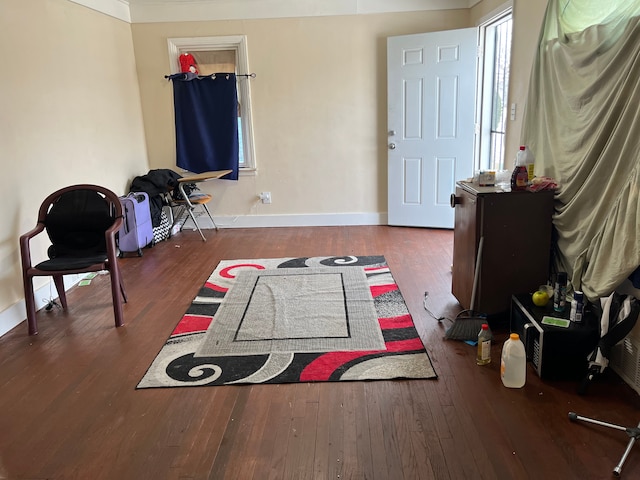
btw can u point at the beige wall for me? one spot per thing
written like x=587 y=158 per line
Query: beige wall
x=69 y=112
x=74 y=115
x=486 y=7
x=319 y=103
x=319 y=106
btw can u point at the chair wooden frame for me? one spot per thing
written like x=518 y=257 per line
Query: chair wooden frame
x=110 y=264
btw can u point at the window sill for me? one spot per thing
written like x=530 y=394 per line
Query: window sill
x=247 y=172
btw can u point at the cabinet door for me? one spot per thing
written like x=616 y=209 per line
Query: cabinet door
x=517 y=239
x=465 y=245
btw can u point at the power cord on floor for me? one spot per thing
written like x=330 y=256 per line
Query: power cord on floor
x=438 y=318
x=50 y=304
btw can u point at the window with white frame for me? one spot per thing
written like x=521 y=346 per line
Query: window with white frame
x=495 y=39
x=225 y=54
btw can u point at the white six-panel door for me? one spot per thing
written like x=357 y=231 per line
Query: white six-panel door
x=431 y=102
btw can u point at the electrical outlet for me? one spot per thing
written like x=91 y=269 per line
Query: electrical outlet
x=265 y=197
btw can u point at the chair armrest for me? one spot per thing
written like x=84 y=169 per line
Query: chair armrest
x=110 y=239
x=25 y=249
x=115 y=228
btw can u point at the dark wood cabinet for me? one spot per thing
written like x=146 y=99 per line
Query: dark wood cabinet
x=515 y=229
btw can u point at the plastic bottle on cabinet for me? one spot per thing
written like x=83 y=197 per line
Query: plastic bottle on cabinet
x=513 y=363
x=560 y=292
x=484 y=346
x=520 y=175
x=577 y=307
x=528 y=161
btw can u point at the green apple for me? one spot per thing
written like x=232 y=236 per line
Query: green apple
x=540 y=298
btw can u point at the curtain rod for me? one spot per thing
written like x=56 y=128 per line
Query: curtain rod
x=213 y=75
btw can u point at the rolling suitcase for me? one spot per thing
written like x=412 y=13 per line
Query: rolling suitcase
x=136 y=231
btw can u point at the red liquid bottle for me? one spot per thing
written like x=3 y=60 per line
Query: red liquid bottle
x=520 y=175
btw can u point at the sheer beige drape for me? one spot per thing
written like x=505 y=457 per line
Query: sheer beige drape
x=583 y=124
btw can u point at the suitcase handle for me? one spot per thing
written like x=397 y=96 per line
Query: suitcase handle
x=138 y=197
x=126 y=220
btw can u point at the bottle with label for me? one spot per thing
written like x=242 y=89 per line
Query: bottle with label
x=520 y=176
x=560 y=292
x=484 y=345
x=527 y=159
x=513 y=363
x=577 y=307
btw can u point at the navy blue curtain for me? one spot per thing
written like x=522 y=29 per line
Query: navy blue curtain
x=206 y=112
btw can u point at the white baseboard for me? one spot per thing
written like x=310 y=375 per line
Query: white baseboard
x=310 y=220
x=17 y=313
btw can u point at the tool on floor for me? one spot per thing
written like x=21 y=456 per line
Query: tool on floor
x=633 y=432
x=468 y=323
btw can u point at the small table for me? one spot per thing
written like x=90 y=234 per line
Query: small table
x=557 y=353
x=200 y=177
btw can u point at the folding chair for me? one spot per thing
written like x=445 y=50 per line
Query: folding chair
x=189 y=201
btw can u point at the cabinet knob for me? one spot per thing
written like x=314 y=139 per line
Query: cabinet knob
x=453 y=200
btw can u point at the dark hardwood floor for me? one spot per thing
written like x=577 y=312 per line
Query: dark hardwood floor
x=69 y=408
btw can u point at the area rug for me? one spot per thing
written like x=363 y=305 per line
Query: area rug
x=290 y=320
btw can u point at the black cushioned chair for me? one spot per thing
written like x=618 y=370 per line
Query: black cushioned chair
x=82 y=222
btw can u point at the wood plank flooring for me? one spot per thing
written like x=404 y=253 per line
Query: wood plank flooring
x=69 y=408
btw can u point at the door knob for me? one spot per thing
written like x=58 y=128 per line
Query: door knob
x=392 y=146
x=453 y=200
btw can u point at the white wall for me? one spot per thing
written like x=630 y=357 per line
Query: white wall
x=70 y=113
x=71 y=110
x=319 y=110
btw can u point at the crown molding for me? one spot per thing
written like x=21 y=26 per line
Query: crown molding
x=119 y=9
x=153 y=11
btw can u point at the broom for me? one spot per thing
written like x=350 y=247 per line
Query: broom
x=466 y=328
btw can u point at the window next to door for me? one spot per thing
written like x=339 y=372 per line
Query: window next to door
x=495 y=45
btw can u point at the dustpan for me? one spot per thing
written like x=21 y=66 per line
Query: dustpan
x=468 y=323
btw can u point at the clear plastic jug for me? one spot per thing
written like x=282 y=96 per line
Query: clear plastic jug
x=513 y=363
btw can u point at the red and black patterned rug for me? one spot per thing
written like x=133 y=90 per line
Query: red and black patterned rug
x=289 y=320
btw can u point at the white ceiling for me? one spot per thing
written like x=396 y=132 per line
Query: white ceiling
x=146 y=11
